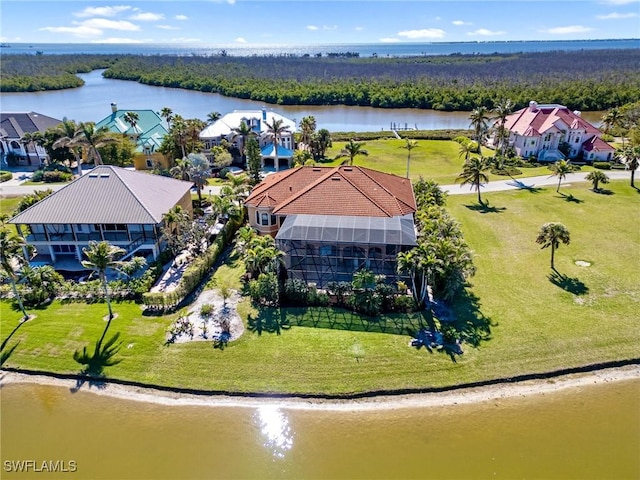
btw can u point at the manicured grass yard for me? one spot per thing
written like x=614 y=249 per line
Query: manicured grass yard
x=435 y=159
x=535 y=325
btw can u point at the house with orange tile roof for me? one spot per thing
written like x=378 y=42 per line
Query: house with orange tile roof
x=332 y=222
x=538 y=131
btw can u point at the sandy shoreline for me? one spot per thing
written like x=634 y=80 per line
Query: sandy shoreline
x=447 y=398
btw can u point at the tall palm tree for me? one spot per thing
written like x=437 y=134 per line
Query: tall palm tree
x=419 y=264
x=27 y=140
x=551 y=235
x=213 y=117
x=179 y=133
x=67 y=131
x=596 y=178
x=275 y=130
x=480 y=123
x=102 y=256
x=631 y=156
x=561 y=169
x=611 y=119
x=199 y=172
x=132 y=118
x=237 y=188
x=167 y=114
x=91 y=139
x=409 y=145
x=193 y=128
x=11 y=259
x=242 y=131
x=307 y=129
x=473 y=173
x=351 y=150
x=501 y=111
x=182 y=170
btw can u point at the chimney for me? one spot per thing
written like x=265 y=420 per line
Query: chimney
x=114 y=107
x=533 y=106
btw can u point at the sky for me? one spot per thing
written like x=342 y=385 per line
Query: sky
x=301 y=22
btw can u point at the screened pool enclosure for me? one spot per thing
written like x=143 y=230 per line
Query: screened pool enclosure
x=323 y=248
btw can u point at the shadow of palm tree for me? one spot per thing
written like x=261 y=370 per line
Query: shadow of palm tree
x=603 y=191
x=569 y=284
x=270 y=320
x=485 y=208
x=470 y=324
x=95 y=363
x=4 y=356
x=13 y=332
x=570 y=198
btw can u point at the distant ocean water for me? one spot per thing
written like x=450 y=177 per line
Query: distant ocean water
x=364 y=50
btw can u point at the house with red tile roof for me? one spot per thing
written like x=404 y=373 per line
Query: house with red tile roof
x=538 y=131
x=332 y=222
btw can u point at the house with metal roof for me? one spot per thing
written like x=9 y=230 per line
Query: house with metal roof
x=147 y=133
x=332 y=222
x=538 y=131
x=14 y=126
x=226 y=128
x=121 y=206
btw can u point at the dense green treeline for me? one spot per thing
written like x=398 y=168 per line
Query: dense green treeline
x=33 y=73
x=583 y=80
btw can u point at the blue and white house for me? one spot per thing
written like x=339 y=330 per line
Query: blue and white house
x=226 y=128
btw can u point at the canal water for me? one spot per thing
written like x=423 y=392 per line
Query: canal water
x=589 y=432
x=91 y=102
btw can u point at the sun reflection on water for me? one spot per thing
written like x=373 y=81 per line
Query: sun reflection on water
x=274 y=425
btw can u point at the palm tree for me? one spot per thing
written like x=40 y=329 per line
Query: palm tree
x=11 y=258
x=561 y=169
x=631 y=156
x=480 y=123
x=596 y=178
x=67 y=131
x=502 y=110
x=182 y=170
x=237 y=187
x=351 y=150
x=213 y=117
x=473 y=173
x=275 y=130
x=27 y=140
x=167 y=114
x=409 y=145
x=551 y=235
x=91 y=139
x=242 y=131
x=307 y=129
x=100 y=257
x=199 y=172
x=132 y=118
x=419 y=264
x=320 y=141
x=466 y=149
x=179 y=133
x=611 y=119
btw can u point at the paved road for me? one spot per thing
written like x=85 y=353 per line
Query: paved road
x=14 y=187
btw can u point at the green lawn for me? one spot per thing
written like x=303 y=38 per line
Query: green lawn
x=435 y=159
x=589 y=316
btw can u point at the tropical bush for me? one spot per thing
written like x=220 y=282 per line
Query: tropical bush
x=602 y=165
x=4 y=176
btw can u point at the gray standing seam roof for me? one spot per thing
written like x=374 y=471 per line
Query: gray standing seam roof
x=399 y=230
x=108 y=195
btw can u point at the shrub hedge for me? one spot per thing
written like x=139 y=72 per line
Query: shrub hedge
x=4 y=176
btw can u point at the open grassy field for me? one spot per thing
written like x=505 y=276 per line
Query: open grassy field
x=435 y=159
x=523 y=320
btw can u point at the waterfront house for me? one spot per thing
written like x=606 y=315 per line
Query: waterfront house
x=539 y=130
x=121 y=206
x=225 y=128
x=147 y=133
x=332 y=222
x=13 y=127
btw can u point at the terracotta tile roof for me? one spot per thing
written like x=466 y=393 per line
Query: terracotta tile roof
x=597 y=144
x=344 y=190
x=546 y=119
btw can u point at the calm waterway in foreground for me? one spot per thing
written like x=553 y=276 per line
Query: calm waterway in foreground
x=91 y=102
x=583 y=432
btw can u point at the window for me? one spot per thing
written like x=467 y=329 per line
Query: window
x=264 y=218
x=533 y=142
x=577 y=140
x=149 y=163
x=64 y=249
x=274 y=221
x=326 y=250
